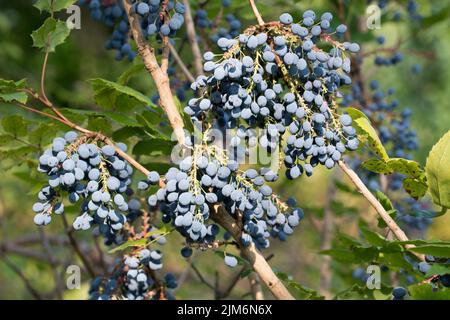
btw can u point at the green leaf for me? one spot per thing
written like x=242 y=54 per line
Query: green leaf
x=438 y=270
x=118 y=117
x=341 y=255
x=364 y=127
x=15 y=125
x=415 y=188
x=51 y=34
x=154 y=147
x=159 y=167
x=426 y=292
x=305 y=292
x=407 y=167
x=438 y=171
x=10 y=91
x=111 y=95
x=132 y=71
x=138 y=243
x=53 y=5
x=373 y=238
x=437 y=250
x=99 y=124
x=17 y=153
x=377 y=166
x=384 y=200
x=40 y=134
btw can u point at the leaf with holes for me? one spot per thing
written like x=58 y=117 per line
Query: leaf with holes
x=415 y=187
x=377 y=166
x=407 y=167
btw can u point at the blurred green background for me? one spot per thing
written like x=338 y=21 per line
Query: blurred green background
x=83 y=57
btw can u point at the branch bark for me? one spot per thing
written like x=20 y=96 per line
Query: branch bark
x=252 y=255
x=159 y=76
x=392 y=225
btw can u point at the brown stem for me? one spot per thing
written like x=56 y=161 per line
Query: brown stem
x=160 y=78
x=192 y=38
x=181 y=64
x=252 y=255
x=327 y=237
x=255 y=286
x=256 y=12
x=165 y=55
x=74 y=244
x=392 y=225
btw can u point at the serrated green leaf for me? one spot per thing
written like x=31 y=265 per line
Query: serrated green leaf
x=17 y=153
x=112 y=95
x=118 y=117
x=40 y=134
x=438 y=171
x=99 y=124
x=14 y=96
x=53 y=5
x=364 y=127
x=6 y=85
x=50 y=35
x=15 y=125
x=373 y=238
x=10 y=91
x=132 y=71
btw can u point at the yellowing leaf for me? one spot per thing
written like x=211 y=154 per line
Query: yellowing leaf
x=438 y=171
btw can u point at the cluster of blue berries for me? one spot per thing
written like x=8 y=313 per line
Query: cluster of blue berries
x=88 y=173
x=277 y=77
x=133 y=278
x=209 y=178
x=158 y=17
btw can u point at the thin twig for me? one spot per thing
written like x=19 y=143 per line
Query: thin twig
x=74 y=244
x=27 y=283
x=201 y=277
x=392 y=225
x=192 y=38
x=165 y=55
x=181 y=64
